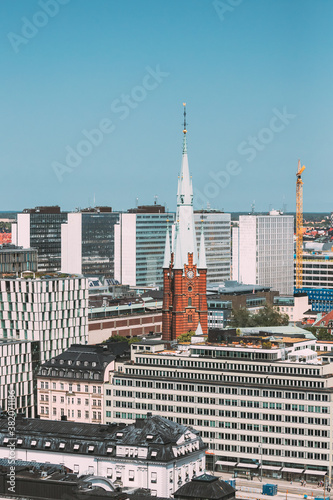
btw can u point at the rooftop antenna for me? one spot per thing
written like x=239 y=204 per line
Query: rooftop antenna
x=253 y=206
x=136 y=202
x=94 y=200
x=155 y=199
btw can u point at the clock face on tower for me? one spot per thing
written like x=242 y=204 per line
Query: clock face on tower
x=190 y=274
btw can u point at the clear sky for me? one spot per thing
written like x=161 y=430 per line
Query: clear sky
x=257 y=77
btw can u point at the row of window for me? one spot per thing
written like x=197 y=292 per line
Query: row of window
x=96 y=415
x=221 y=390
x=70 y=387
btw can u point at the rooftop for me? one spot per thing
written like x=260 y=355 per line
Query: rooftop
x=156 y=434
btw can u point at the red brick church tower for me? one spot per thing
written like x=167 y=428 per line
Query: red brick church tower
x=184 y=270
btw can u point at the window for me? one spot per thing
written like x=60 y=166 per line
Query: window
x=153 y=477
x=131 y=475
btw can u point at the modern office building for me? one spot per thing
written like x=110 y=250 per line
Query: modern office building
x=217 y=233
x=17 y=359
x=50 y=310
x=40 y=228
x=139 y=245
x=252 y=402
x=88 y=241
x=263 y=251
x=152 y=453
x=51 y=313
x=16 y=260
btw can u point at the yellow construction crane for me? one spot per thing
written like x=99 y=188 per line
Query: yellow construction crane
x=299 y=225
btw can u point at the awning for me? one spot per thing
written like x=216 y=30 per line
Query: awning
x=224 y=462
x=316 y=472
x=289 y=469
x=271 y=467
x=247 y=466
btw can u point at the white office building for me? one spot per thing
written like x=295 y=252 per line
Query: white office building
x=263 y=251
x=16 y=376
x=39 y=318
x=50 y=310
x=217 y=234
x=139 y=247
x=87 y=242
x=271 y=404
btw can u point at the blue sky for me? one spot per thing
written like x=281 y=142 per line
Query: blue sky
x=257 y=77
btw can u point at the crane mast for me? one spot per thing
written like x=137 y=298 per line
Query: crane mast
x=299 y=225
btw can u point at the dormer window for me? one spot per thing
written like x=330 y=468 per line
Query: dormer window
x=33 y=442
x=119 y=434
x=91 y=448
x=61 y=361
x=109 y=449
x=93 y=363
x=78 y=363
x=69 y=361
x=76 y=447
x=47 y=444
x=86 y=363
x=62 y=446
x=153 y=453
x=5 y=441
x=149 y=437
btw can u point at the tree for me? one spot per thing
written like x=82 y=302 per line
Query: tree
x=320 y=333
x=267 y=316
x=185 y=337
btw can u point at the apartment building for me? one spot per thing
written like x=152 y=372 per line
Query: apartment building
x=272 y=405
x=71 y=385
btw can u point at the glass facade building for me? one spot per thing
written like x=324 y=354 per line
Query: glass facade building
x=98 y=243
x=150 y=244
x=217 y=233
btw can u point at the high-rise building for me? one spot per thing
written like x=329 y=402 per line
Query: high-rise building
x=184 y=271
x=16 y=376
x=50 y=313
x=217 y=233
x=87 y=242
x=40 y=228
x=139 y=245
x=263 y=251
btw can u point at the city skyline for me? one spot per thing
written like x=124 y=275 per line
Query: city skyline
x=93 y=102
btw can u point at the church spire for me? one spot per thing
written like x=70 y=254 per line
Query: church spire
x=184 y=131
x=185 y=216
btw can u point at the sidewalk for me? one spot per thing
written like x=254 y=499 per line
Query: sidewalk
x=312 y=490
